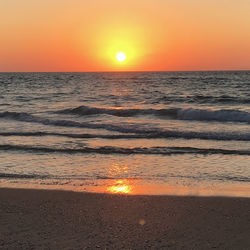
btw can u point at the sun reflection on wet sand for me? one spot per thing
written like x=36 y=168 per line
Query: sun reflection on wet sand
x=120 y=187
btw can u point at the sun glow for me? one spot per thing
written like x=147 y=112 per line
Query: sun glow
x=120 y=47
x=121 y=56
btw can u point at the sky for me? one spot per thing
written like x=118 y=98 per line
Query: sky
x=86 y=35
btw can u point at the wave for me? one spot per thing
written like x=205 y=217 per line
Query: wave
x=207 y=177
x=125 y=151
x=25 y=117
x=145 y=131
x=121 y=112
x=23 y=176
x=133 y=131
x=60 y=180
x=153 y=135
x=222 y=115
x=202 y=99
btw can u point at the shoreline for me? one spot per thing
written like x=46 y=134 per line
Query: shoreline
x=133 y=187
x=56 y=219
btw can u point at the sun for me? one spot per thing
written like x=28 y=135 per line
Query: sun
x=121 y=56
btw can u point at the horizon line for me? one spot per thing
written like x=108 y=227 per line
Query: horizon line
x=128 y=71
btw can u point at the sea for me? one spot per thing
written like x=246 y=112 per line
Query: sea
x=157 y=133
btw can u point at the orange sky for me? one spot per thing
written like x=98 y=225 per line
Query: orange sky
x=85 y=35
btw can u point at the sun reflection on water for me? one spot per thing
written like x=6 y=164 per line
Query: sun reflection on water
x=118 y=170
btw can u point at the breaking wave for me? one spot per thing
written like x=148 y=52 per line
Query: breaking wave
x=222 y=115
x=171 y=113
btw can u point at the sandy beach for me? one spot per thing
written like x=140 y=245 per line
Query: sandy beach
x=41 y=219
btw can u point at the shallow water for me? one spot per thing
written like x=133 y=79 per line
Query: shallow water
x=137 y=132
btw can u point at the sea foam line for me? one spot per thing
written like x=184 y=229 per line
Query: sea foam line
x=62 y=179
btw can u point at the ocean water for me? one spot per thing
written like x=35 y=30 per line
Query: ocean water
x=185 y=133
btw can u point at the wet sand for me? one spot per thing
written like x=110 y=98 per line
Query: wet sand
x=41 y=219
